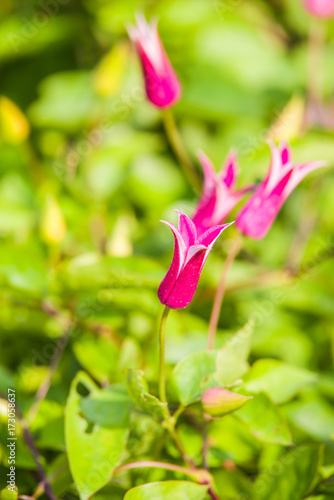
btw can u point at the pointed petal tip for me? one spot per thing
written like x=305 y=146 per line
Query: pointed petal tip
x=132 y=31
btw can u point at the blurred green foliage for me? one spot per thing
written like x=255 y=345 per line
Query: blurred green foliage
x=86 y=173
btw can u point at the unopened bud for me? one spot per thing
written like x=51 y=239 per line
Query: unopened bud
x=218 y=402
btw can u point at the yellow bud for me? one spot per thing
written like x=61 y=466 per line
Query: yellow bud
x=109 y=72
x=14 y=126
x=53 y=226
x=289 y=124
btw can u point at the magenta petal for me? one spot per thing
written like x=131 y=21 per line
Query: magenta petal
x=163 y=88
x=176 y=265
x=209 y=175
x=257 y=216
x=301 y=171
x=209 y=237
x=204 y=214
x=279 y=189
x=187 y=229
x=286 y=154
x=320 y=8
x=185 y=286
x=275 y=168
x=229 y=172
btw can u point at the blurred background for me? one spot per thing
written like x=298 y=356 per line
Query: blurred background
x=86 y=172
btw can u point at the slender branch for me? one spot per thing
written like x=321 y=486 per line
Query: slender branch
x=206 y=447
x=162 y=371
x=180 y=151
x=193 y=473
x=181 y=449
x=47 y=380
x=31 y=445
x=212 y=494
x=221 y=291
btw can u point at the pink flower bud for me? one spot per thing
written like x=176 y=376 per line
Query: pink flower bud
x=320 y=8
x=218 y=402
x=260 y=211
x=191 y=251
x=163 y=88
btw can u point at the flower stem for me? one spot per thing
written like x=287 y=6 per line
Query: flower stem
x=220 y=292
x=180 y=151
x=162 y=371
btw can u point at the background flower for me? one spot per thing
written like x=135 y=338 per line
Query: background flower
x=163 y=88
x=320 y=8
x=260 y=211
x=218 y=197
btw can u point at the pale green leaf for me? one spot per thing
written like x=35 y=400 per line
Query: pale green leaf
x=277 y=379
x=265 y=420
x=93 y=450
x=177 y=490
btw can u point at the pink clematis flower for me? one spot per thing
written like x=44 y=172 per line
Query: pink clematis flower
x=218 y=198
x=320 y=8
x=163 y=88
x=258 y=214
x=179 y=285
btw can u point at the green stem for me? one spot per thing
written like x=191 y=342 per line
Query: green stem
x=178 y=412
x=180 y=447
x=180 y=151
x=221 y=291
x=162 y=371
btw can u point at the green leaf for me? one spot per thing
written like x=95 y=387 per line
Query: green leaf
x=67 y=102
x=230 y=438
x=232 y=357
x=95 y=271
x=277 y=379
x=265 y=421
x=178 y=490
x=291 y=477
x=109 y=407
x=9 y=493
x=98 y=355
x=204 y=369
x=138 y=391
x=232 y=484
x=93 y=450
x=191 y=376
x=314 y=416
